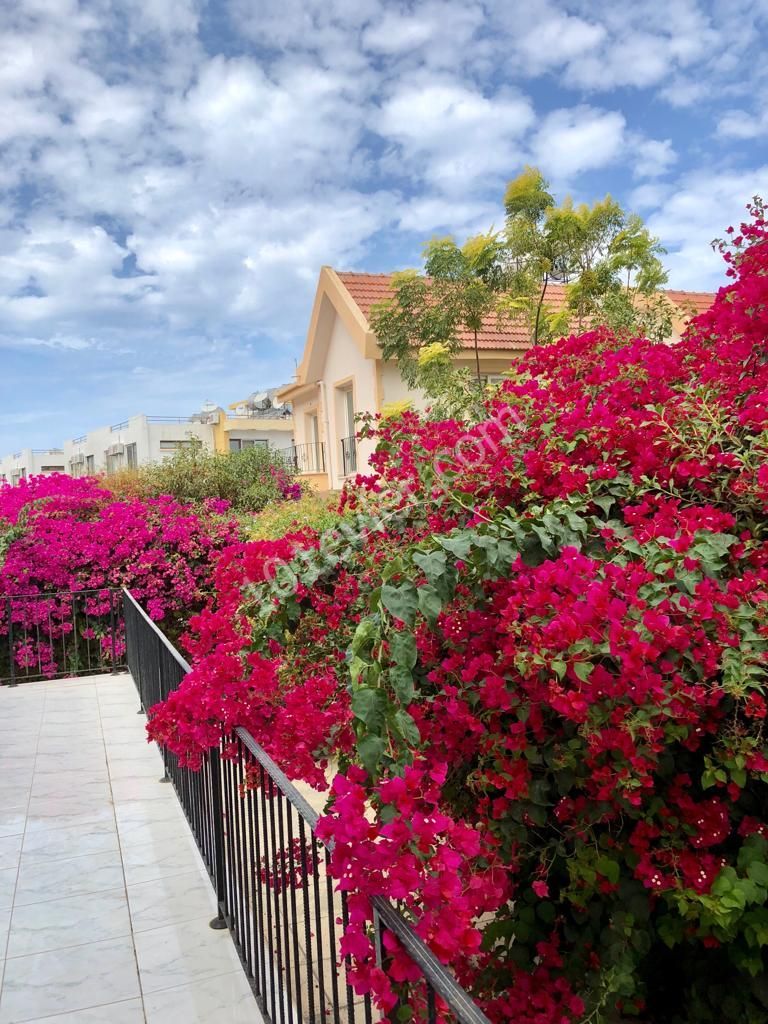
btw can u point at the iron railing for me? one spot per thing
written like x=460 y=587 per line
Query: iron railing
x=256 y=833
x=348 y=456
x=306 y=458
x=70 y=633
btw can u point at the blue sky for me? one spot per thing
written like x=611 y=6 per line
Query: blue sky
x=174 y=172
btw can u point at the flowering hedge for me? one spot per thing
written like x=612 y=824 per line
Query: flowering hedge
x=535 y=649
x=59 y=535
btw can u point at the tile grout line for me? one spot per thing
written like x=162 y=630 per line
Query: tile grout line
x=122 y=869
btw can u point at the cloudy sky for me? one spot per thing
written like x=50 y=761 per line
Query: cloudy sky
x=174 y=172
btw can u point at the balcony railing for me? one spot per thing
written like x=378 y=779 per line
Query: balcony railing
x=257 y=836
x=348 y=456
x=306 y=458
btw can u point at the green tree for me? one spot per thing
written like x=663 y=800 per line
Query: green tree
x=606 y=258
x=452 y=298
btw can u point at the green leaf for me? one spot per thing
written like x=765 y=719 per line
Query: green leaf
x=370 y=749
x=583 y=670
x=407 y=728
x=401 y=680
x=431 y=563
x=403 y=649
x=430 y=603
x=609 y=869
x=400 y=601
x=459 y=545
x=370 y=706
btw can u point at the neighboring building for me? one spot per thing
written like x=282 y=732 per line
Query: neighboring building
x=342 y=372
x=134 y=442
x=31 y=462
x=261 y=419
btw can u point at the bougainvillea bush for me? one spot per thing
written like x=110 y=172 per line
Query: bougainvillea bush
x=60 y=535
x=534 y=656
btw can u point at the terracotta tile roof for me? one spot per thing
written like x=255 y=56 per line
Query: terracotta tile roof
x=369 y=289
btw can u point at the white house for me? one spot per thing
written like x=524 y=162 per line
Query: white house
x=31 y=462
x=342 y=372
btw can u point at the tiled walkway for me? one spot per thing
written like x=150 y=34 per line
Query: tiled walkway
x=104 y=902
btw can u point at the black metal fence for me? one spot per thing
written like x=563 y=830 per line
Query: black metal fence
x=256 y=833
x=70 y=633
x=306 y=458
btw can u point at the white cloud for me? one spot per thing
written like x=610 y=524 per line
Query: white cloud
x=700 y=208
x=738 y=124
x=452 y=135
x=578 y=139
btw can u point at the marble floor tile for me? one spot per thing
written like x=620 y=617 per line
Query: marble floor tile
x=225 y=1000
x=5 y=924
x=12 y=820
x=184 y=954
x=50 y=812
x=70 y=785
x=10 y=851
x=130 y=750
x=78 y=759
x=145 y=862
x=129 y=1012
x=74 y=841
x=15 y=793
x=39 y=927
x=7 y=885
x=157 y=833
x=171 y=900
x=40 y=881
x=69 y=979
x=133 y=812
x=152 y=768
x=142 y=788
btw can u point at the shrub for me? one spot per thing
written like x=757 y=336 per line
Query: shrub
x=311 y=511
x=537 y=647
x=248 y=480
x=59 y=535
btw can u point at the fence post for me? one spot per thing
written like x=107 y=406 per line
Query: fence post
x=217 y=832
x=12 y=659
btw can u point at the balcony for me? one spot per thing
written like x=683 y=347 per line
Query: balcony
x=348 y=456
x=306 y=458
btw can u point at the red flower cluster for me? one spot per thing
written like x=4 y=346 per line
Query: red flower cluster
x=538 y=650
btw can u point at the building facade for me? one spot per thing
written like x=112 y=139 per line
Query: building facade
x=31 y=462
x=342 y=372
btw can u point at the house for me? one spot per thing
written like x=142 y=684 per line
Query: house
x=31 y=462
x=342 y=372
x=260 y=419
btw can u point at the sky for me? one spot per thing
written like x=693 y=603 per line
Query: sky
x=174 y=173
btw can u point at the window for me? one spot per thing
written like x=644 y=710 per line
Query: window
x=130 y=452
x=51 y=469
x=236 y=444
x=115 y=461
x=171 y=446
x=90 y=464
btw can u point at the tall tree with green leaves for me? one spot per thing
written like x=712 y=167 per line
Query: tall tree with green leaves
x=458 y=291
x=606 y=258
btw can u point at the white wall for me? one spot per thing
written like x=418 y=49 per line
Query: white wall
x=345 y=365
x=140 y=431
x=31 y=462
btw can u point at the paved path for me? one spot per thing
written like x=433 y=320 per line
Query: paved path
x=104 y=901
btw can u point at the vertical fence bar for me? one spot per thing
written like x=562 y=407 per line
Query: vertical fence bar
x=11 y=652
x=217 y=837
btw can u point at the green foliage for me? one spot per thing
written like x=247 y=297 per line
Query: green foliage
x=311 y=511
x=249 y=479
